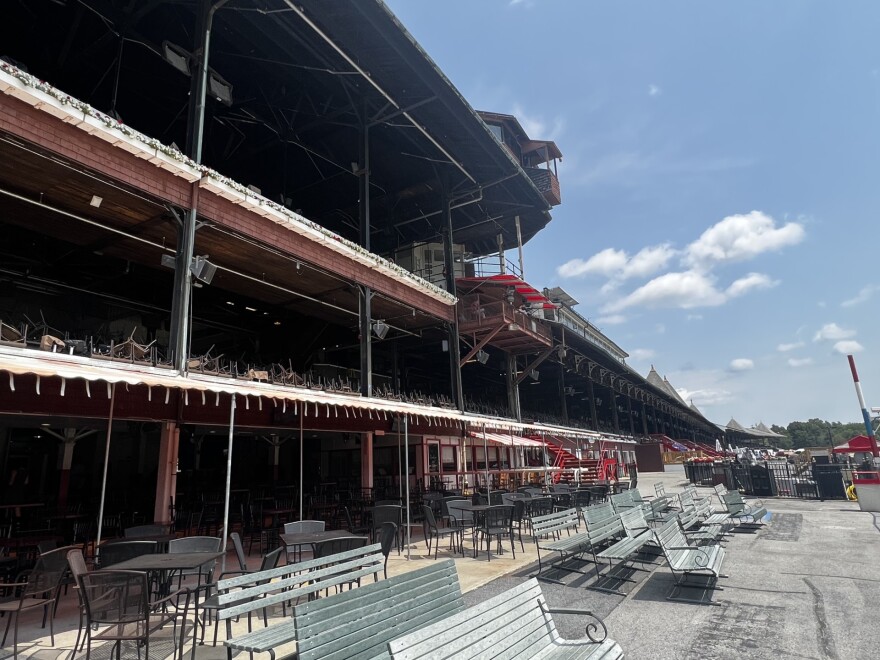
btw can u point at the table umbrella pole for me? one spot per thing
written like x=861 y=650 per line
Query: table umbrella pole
x=406 y=459
x=228 y=481
x=486 y=460
x=106 y=463
x=301 y=467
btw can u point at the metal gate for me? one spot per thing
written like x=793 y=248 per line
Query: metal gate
x=783 y=479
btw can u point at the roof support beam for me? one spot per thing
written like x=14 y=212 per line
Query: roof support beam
x=301 y=13
x=543 y=356
x=480 y=344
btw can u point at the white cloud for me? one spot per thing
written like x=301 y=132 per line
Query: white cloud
x=832 y=331
x=618 y=265
x=751 y=281
x=739 y=238
x=536 y=127
x=685 y=290
x=654 y=90
x=862 y=296
x=612 y=319
x=848 y=346
x=741 y=364
x=784 y=348
x=642 y=354
x=799 y=362
x=705 y=396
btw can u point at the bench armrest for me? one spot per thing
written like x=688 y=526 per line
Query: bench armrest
x=590 y=630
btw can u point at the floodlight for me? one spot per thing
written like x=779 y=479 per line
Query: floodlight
x=482 y=356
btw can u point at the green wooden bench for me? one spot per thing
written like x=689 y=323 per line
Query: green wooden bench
x=623 y=501
x=359 y=623
x=547 y=532
x=748 y=516
x=254 y=591
x=514 y=625
x=692 y=567
x=637 y=535
x=660 y=510
x=701 y=524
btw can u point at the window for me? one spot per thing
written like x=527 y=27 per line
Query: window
x=497 y=131
x=449 y=462
x=433 y=458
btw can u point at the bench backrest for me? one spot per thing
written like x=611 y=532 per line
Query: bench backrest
x=602 y=523
x=554 y=522
x=659 y=505
x=360 y=622
x=659 y=490
x=686 y=498
x=622 y=500
x=512 y=625
x=688 y=517
x=669 y=536
x=246 y=593
x=634 y=522
x=720 y=489
x=734 y=503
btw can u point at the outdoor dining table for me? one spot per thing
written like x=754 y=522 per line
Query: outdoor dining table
x=312 y=538
x=161 y=540
x=165 y=562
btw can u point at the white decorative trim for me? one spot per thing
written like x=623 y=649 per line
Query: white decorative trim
x=42 y=96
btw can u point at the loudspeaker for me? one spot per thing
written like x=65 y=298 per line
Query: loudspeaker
x=203 y=269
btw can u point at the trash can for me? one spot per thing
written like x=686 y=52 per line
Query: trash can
x=867 y=485
x=762 y=485
x=829 y=482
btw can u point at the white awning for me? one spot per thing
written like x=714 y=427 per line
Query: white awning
x=506 y=439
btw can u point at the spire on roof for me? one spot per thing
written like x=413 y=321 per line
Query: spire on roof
x=735 y=425
x=654 y=379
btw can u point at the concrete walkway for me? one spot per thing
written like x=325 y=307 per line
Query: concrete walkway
x=806 y=586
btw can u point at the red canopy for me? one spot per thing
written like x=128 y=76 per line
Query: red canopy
x=526 y=290
x=853 y=445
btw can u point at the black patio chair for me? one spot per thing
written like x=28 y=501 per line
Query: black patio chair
x=113 y=553
x=433 y=533
x=518 y=519
x=145 y=530
x=38 y=587
x=211 y=602
x=387 y=534
x=118 y=608
x=294 y=552
x=387 y=513
x=354 y=529
x=496 y=524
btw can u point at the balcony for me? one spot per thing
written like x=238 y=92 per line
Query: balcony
x=547 y=182
x=513 y=330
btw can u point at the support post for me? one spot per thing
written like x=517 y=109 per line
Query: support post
x=228 y=482
x=513 y=388
x=592 y=395
x=365 y=308
x=615 y=419
x=454 y=351
x=166 y=476
x=106 y=464
x=182 y=295
x=366 y=460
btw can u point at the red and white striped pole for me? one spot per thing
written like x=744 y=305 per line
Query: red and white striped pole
x=865 y=416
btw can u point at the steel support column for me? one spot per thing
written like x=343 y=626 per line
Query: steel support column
x=592 y=394
x=454 y=351
x=512 y=388
x=186 y=236
x=365 y=307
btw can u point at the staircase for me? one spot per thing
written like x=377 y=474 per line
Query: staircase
x=591 y=469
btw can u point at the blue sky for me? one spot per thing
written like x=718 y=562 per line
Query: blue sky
x=720 y=181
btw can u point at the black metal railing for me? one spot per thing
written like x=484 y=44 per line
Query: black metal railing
x=773 y=478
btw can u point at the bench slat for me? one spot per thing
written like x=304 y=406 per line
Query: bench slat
x=360 y=622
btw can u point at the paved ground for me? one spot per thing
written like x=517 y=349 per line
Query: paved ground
x=806 y=586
